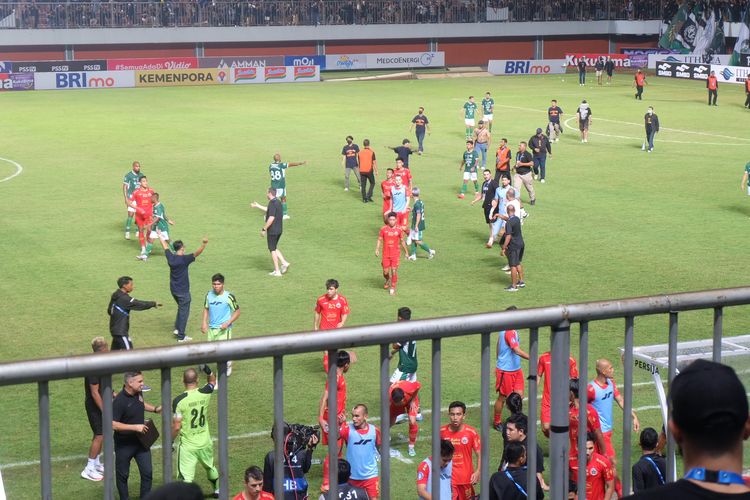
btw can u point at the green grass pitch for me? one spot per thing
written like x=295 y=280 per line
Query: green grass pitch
x=612 y=221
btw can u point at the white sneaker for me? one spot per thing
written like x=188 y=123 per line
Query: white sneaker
x=185 y=339
x=432 y=254
x=506 y=268
x=542 y=181
x=127 y=235
x=229 y=368
x=408 y=240
x=643 y=147
x=99 y=468
x=392 y=291
x=142 y=257
x=176 y=333
x=286 y=217
x=412 y=257
x=401 y=418
x=91 y=474
x=346 y=189
x=274 y=273
x=536 y=177
x=395 y=453
x=284 y=267
x=412 y=451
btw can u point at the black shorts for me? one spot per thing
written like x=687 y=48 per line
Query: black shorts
x=95 y=419
x=273 y=241
x=487 y=214
x=583 y=124
x=515 y=256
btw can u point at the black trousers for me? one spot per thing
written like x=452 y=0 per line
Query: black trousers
x=124 y=454
x=120 y=343
x=715 y=94
x=747 y=100
x=367 y=192
x=639 y=92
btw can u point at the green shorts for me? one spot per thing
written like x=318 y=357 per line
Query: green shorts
x=219 y=334
x=188 y=458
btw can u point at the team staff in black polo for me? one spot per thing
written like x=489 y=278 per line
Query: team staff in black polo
x=403 y=151
x=540 y=145
x=524 y=163
x=651 y=470
x=513 y=248
x=489 y=186
x=120 y=306
x=349 y=161
x=272 y=230
x=179 y=282
x=420 y=124
x=128 y=421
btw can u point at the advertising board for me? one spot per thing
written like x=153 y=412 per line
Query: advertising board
x=683 y=70
x=59 y=66
x=620 y=60
x=240 y=62
x=406 y=60
x=179 y=77
x=84 y=80
x=346 y=61
x=16 y=81
x=731 y=74
x=159 y=63
x=688 y=58
x=526 y=66
x=305 y=61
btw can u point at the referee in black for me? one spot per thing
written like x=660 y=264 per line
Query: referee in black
x=120 y=305
x=128 y=421
x=488 y=192
x=651 y=470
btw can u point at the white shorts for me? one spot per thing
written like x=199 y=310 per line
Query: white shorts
x=281 y=193
x=470 y=175
x=415 y=234
x=599 y=73
x=487 y=117
x=748 y=190
x=131 y=210
x=469 y=122
x=397 y=374
x=164 y=235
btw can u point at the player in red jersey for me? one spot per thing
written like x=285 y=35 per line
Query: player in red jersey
x=385 y=187
x=253 y=486
x=600 y=475
x=404 y=396
x=404 y=173
x=390 y=238
x=465 y=441
x=331 y=311
x=593 y=427
x=142 y=201
x=544 y=370
x=342 y=366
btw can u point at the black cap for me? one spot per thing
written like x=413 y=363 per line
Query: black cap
x=538 y=131
x=706 y=395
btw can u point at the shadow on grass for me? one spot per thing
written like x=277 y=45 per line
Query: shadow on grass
x=741 y=209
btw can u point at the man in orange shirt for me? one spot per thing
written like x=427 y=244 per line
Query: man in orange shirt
x=142 y=201
x=391 y=238
x=502 y=161
x=600 y=475
x=368 y=169
x=712 y=84
x=404 y=397
x=747 y=93
x=544 y=371
x=331 y=312
x=342 y=366
x=466 y=442
x=593 y=426
x=638 y=82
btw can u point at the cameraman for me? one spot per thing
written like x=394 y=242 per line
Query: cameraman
x=299 y=443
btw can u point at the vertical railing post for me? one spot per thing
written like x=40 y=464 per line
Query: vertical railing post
x=672 y=371
x=435 y=418
x=385 y=423
x=333 y=425
x=484 y=457
x=109 y=443
x=559 y=441
x=718 y=331
x=45 y=455
x=583 y=376
x=627 y=408
x=223 y=431
x=166 y=424
x=532 y=436
x=278 y=420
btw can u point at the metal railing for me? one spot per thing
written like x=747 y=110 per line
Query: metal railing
x=559 y=318
x=219 y=13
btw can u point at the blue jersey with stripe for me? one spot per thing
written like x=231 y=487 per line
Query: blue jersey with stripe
x=220 y=308
x=507 y=359
x=602 y=402
x=446 y=478
x=399 y=198
x=362 y=453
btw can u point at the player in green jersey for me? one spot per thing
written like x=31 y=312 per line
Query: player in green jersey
x=469 y=165
x=470 y=110
x=488 y=108
x=130 y=183
x=745 y=183
x=159 y=228
x=277 y=169
x=417 y=226
x=190 y=422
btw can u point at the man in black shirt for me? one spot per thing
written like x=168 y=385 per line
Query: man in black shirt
x=120 y=305
x=651 y=470
x=179 y=282
x=350 y=161
x=510 y=483
x=524 y=163
x=581 y=71
x=599 y=67
x=272 y=229
x=652 y=127
x=488 y=192
x=128 y=422
x=346 y=490
x=583 y=115
x=516 y=430
x=402 y=152
x=297 y=462
x=513 y=248
x=540 y=145
x=709 y=423
x=93 y=403
x=609 y=67
x=421 y=124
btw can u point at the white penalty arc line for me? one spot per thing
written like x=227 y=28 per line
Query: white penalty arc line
x=18 y=171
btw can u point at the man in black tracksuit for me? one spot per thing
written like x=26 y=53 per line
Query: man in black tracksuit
x=120 y=305
x=652 y=127
x=540 y=147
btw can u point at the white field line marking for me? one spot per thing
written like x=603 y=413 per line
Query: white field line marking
x=18 y=171
x=250 y=435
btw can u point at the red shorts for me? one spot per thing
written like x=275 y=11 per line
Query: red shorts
x=546 y=417
x=464 y=491
x=141 y=219
x=411 y=410
x=507 y=382
x=610 y=451
x=390 y=261
x=371 y=486
x=402 y=218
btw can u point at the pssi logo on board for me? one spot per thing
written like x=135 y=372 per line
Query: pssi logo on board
x=245 y=74
x=275 y=72
x=82 y=81
x=304 y=72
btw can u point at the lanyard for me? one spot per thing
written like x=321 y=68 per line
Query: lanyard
x=661 y=478
x=520 y=488
x=714 y=476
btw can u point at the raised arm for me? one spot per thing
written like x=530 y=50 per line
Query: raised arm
x=200 y=248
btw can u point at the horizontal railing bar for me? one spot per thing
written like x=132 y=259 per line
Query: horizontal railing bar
x=297 y=343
